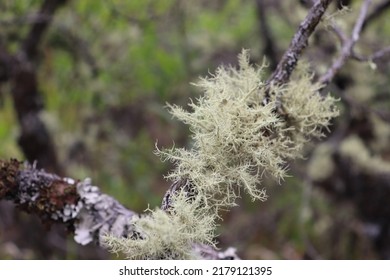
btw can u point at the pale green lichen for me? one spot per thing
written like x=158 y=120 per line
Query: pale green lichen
x=308 y=111
x=236 y=139
x=163 y=235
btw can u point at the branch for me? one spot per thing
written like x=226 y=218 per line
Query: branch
x=22 y=20
x=383 y=54
x=377 y=12
x=38 y=29
x=34 y=139
x=81 y=206
x=270 y=48
x=347 y=48
x=299 y=42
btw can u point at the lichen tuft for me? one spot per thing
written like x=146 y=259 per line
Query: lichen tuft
x=237 y=139
x=163 y=235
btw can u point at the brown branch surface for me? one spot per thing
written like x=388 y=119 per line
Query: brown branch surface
x=299 y=42
x=81 y=206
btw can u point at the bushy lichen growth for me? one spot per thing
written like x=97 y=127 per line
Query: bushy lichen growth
x=163 y=235
x=236 y=139
x=307 y=111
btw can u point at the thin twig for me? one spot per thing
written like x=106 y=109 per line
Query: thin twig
x=378 y=55
x=376 y=13
x=378 y=10
x=339 y=33
x=347 y=46
x=38 y=29
x=299 y=42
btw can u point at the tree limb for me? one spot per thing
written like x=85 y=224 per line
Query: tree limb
x=81 y=206
x=347 y=46
x=38 y=29
x=34 y=140
x=299 y=42
x=380 y=55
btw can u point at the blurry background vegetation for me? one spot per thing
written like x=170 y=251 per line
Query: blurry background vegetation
x=105 y=72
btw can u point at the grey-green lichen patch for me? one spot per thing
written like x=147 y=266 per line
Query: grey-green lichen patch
x=168 y=235
x=308 y=112
x=237 y=139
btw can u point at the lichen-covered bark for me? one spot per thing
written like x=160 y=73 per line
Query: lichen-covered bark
x=81 y=206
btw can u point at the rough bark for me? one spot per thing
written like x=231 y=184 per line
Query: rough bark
x=298 y=43
x=87 y=212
